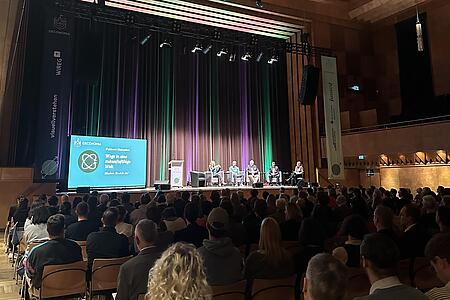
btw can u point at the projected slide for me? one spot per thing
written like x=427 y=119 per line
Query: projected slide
x=106 y=162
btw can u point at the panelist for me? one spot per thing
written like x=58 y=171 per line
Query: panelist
x=216 y=171
x=274 y=174
x=234 y=172
x=253 y=175
x=298 y=174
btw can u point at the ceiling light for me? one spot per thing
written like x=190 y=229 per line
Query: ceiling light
x=145 y=39
x=259 y=4
x=273 y=59
x=259 y=57
x=232 y=57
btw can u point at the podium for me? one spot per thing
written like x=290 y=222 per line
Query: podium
x=176 y=168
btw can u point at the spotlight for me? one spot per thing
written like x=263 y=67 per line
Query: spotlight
x=222 y=51
x=145 y=39
x=259 y=4
x=207 y=49
x=197 y=48
x=166 y=43
x=246 y=57
x=232 y=57
x=259 y=57
x=273 y=59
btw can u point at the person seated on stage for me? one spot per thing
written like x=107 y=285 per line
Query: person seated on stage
x=133 y=275
x=253 y=175
x=274 y=174
x=107 y=243
x=234 y=172
x=80 y=230
x=58 y=250
x=216 y=171
x=298 y=174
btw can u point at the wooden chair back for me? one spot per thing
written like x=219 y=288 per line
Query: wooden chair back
x=141 y=297
x=423 y=275
x=234 y=291
x=404 y=271
x=358 y=284
x=104 y=274
x=268 y=289
x=64 y=280
x=82 y=244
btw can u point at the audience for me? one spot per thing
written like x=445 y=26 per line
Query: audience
x=325 y=279
x=58 y=250
x=379 y=256
x=141 y=212
x=271 y=260
x=20 y=214
x=37 y=230
x=133 y=275
x=443 y=218
x=172 y=222
x=80 y=230
x=53 y=208
x=223 y=262
x=252 y=222
x=122 y=227
x=107 y=243
x=165 y=238
x=178 y=274
x=66 y=210
x=438 y=252
x=383 y=219
x=193 y=233
x=290 y=228
x=414 y=237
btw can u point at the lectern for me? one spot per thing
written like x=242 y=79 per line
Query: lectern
x=176 y=168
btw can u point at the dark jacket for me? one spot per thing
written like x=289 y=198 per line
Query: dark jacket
x=289 y=230
x=223 y=262
x=133 y=275
x=252 y=224
x=80 y=230
x=257 y=266
x=413 y=242
x=106 y=243
x=395 y=293
x=193 y=233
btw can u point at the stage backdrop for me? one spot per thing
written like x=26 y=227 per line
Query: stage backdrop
x=194 y=107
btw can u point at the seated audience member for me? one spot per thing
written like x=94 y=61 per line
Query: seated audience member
x=193 y=233
x=95 y=215
x=305 y=204
x=178 y=274
x=223 y=261
x=107 y=243
x=312 y=232
x=80 y=230
x=342 y=210
x=325 y=279
x=65 y=210
x=379 y=257
x=428 y=219
x=271 y=260
x=271 y=204
x=20 y=214
x=443 y=218
x=140 y=213
x=58 y=250
x=438 y=251
x=37 y=230
x=172 y=222
x=53 y=208
x=252 y=222
x=75 y=202
x=354 y=227
x=104 y=199
x=383 y=219
x=414 y=239
x=236 y=230
x=280 y=213
x=122 y=227
x=133 y=275
x=290 y=228
x=125 y=200
x=165 y=238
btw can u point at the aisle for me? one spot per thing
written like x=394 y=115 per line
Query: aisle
x=8 y=288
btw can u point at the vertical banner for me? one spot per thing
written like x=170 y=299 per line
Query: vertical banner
x=50 y=152
x=332 y=118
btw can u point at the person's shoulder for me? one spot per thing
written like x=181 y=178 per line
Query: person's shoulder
x=438 y=293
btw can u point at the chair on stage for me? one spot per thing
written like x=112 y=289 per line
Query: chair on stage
x=275 y=179
x=235 y=179
x=251 y=179
x=198 y=179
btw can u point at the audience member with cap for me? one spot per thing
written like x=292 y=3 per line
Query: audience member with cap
x=438 y=251
x=223 y=261
x=379 y=256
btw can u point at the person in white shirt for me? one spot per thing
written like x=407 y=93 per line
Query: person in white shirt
x=438 y=251
x=122 y=227
x=172 y=222
x=37 y=229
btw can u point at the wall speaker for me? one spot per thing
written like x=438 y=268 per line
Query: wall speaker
x=161 y=185
x=309 y=85
x=89 y=56
x=83 y=190
x=257 y=185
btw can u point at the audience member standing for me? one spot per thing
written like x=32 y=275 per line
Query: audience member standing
x=380 y=255
x=438 y=251
x=223 y=261
x=133 y=275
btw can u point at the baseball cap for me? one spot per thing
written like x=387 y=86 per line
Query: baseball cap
x=218 y=219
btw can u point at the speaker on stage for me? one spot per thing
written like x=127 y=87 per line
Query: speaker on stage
x=310 y=84
x=83 y=190
x=257 y=185
x=162 y=185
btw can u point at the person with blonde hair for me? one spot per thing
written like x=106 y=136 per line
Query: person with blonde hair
x=271 y=260
x=178 y=275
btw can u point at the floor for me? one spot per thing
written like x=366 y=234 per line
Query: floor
x=8 y=288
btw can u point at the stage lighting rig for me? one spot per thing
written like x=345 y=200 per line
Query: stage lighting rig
x=247 y=56
x=145 y=39
x=232 y=57
x=207 y=49
x=197 y=48
x=221 y=52
x=165 y=44
x=259 y=57
x=273 y=59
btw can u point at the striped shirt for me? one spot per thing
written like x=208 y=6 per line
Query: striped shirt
x=442 y=293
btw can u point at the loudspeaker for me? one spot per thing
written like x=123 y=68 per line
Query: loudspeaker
x=83 y=190
x=310 y=84
x=89 y=56
x=257 y=185
x=162 y=185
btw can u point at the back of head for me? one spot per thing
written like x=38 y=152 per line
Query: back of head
x=125 y=198
x=429 y=202
x=217 y=222
x=354 y=226
x=153 y=213
x=260 y=208
x=270 y=242
x=168 y=213
x=185 y=196
x=147 y=231
x=104 y=198
x=191 y=213
x=53 y=201
x=110 y=217
x=40 y=215
x=438 y=246
x=75 y=201
x=178 y=274
x=382 y=252
x=92 y=202
x=121 y=213
x=145 y=199
x=55 y=226
x=322 y=198
x=292 y=212
x=254 y=193
x=327 y=278
x=412 y=211
x=65 y=208
x=82 y=209
x=385 y=216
